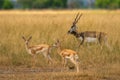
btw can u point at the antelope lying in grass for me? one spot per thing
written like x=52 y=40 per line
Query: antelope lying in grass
x=67 y=54
x=87 y=36
x=33 y=50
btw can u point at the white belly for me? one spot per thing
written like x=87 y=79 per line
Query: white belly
x=89 y=39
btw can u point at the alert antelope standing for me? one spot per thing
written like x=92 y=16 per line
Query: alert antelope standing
x=33 y=50
x=67 y=54
x=87 y=36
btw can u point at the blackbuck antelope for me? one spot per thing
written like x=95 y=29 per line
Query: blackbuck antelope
x=33 y=50
x=67 y=54
x=87 y=36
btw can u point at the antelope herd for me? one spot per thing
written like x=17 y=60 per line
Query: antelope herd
x=86 y=36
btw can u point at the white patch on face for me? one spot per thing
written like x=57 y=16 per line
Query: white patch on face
x=72 y=29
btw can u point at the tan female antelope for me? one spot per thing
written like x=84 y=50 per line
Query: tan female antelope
x=67 y=54
x=33 y=50
x=87 y=36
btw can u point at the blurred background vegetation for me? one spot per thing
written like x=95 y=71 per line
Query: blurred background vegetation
x=59 y=4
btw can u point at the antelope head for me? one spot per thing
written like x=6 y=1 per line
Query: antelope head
x=57 y=43
x=27 y=40
x=74 y=27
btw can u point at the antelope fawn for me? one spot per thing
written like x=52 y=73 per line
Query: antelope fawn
x=88 y=36
x=35 y=49
x=67 y=54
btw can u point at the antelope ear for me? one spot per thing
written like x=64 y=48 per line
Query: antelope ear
x=29 y=38
x=23 y=38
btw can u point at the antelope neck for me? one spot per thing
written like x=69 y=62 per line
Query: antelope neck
x=59 y=49
x=27 y=46
x=75 y=34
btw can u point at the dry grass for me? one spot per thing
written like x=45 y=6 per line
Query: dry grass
x=47 y=25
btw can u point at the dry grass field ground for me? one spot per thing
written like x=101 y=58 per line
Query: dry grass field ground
x=47 y=25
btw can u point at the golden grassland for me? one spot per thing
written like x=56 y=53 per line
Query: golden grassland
x=46 y=25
